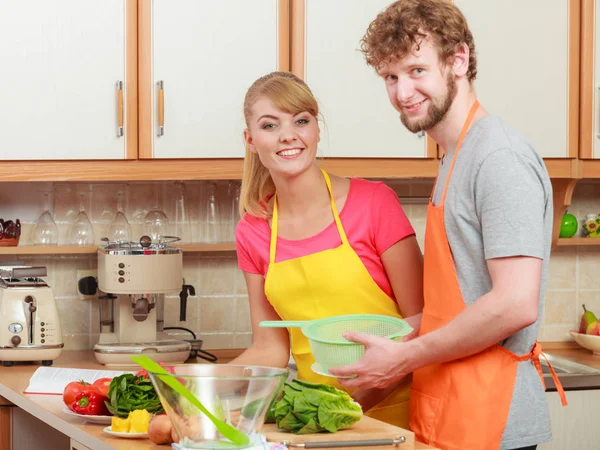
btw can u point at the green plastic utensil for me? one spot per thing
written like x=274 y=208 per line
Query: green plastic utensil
x=228 y=431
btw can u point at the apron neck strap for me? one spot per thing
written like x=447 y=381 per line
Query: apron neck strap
x=461 y=138
x=275 y=220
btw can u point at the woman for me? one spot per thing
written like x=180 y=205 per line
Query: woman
x=303 y=260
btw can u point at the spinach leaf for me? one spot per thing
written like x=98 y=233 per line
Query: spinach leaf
x=128 y=392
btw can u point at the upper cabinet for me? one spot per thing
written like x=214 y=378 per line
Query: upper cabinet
x=358 y=119
x=528 y=67
x=69 y=79
x=197 y=60
x=589 y=144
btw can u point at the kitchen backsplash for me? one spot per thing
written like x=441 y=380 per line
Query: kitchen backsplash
x=219 y=312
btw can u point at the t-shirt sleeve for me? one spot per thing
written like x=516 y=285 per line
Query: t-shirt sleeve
x=242 y=247
x=390 y=224
x=510 y=201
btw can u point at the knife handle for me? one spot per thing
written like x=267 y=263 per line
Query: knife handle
x=341 y=444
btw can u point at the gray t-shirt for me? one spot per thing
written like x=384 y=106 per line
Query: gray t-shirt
x=499 y=204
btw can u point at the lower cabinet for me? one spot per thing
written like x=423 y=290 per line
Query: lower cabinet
x=28 y=432
x=574 y=426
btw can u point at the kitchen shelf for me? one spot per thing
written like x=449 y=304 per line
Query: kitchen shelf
x=91 y=249
x=231 y=169
x=564 y=242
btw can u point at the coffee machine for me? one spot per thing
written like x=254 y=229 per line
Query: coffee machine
x=134 y=278
x=29 y=324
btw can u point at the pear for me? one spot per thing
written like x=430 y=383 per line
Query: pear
x=593 y=328
x=587 y=319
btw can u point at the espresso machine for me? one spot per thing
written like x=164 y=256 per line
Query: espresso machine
x=29 y=324
x=134 y=278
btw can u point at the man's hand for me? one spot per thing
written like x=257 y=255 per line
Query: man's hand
x=384 y=363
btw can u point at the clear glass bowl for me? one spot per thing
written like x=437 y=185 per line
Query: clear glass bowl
x=239 y=395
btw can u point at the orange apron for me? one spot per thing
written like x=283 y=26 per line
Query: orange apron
x=462 y=404
x=324 y=284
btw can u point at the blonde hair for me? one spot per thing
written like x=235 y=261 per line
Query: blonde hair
x=289 y=94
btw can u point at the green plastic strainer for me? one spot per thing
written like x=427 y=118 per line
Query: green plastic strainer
x=328 y=346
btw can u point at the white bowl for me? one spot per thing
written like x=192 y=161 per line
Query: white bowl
x=587 y=341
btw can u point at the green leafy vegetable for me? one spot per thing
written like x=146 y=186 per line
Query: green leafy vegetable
x=311 y=408
x=129 y=392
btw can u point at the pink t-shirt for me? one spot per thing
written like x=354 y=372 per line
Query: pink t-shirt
x=373 y=220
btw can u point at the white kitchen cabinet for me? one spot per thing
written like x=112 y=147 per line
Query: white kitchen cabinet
x=574 y=426
x=205 y=55
x=528 y=67
x=61 y=61
x=589 y=144
x=359 y=121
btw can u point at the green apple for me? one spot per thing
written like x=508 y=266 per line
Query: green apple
x=568 y=227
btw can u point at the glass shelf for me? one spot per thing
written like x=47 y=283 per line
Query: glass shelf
x=91 y=249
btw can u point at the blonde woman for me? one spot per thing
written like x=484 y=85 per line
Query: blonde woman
x=314 y=245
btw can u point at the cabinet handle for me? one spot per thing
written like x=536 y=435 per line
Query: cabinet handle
x=598 y=94
x=161 y=108
x=119 y=108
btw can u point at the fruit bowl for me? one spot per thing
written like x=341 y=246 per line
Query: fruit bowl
x=239 y=395
x=587 y=341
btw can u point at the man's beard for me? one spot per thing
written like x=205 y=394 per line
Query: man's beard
x=436 y=112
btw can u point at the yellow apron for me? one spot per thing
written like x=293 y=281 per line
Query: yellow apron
x=324 y=284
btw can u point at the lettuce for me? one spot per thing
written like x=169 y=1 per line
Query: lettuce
x=307 y=407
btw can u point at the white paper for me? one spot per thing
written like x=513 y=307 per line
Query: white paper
x=53 y=380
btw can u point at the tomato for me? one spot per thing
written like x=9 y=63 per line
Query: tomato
x=102 y=384
x=74 y=388
x=143 y=373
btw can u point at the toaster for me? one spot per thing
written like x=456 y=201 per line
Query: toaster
x=29 y=324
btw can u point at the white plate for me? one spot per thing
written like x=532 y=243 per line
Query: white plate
x=124 y=434
x=316 y=368
x=92 y=419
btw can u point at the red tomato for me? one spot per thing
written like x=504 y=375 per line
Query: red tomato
x=74 y=388
x=102 y=384
x=143 y=373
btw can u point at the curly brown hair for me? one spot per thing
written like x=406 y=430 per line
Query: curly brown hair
x=404 y=24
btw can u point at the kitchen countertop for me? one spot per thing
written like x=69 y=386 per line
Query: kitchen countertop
x=49 y=408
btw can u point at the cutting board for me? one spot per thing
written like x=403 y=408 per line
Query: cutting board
x=365 y=428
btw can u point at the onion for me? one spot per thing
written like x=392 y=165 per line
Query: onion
x=159 y=430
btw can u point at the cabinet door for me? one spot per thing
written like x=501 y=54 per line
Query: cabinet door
x=61 y=61
x=528 y=67
x=589 y=145
x=359 y=121
x=574 y=426
x=205 y=55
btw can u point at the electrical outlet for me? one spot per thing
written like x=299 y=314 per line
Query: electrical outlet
x=83 y=274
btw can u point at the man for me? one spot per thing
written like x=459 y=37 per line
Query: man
x=487 y=246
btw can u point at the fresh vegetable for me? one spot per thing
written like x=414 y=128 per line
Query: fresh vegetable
x=90 y=403
x=102 y=384
x=160 y=429
x=144 y=373
x=74 y=388
x=311 y=408
x=129 y=392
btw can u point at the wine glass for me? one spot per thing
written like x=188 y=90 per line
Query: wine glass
x=156 y=222
x=82 y=231
x=45 y=231
x=119 y=229
x=182 y=227
x=211 y=214
x=234 y=198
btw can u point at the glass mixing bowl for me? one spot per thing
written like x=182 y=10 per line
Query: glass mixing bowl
x=238 y=395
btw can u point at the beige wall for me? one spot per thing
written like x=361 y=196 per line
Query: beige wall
x=219 y=312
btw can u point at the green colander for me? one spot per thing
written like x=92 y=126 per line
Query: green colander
x=328 y=346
